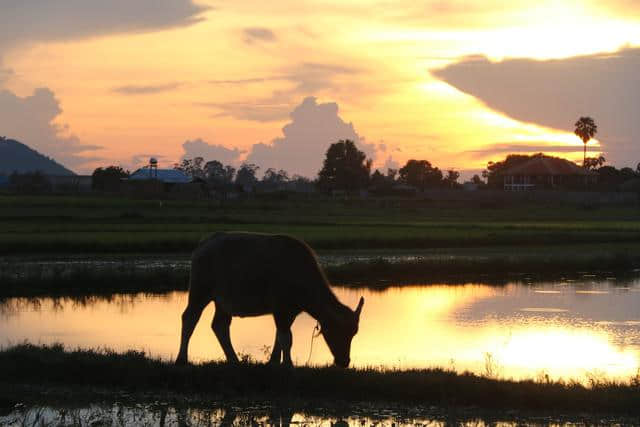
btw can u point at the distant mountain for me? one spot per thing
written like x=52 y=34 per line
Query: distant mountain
x=17 y=157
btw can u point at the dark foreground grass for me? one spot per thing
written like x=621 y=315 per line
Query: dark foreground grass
x=52 y=366
x=493 y=267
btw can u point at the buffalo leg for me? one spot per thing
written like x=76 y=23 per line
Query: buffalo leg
x=276 y=353
x=190 y=318
x=283 y=335
x=220 y=325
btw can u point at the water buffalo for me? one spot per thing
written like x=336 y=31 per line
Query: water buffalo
x=248 y=274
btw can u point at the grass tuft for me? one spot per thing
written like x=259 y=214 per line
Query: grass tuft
x=134 y=371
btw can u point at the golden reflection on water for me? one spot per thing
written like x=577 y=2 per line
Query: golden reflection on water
x=513 y=331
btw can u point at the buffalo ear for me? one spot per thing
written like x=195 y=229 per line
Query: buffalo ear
x=359 y=308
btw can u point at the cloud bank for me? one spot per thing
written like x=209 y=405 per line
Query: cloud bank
x=146 y=89
x=305 y=79
x=199 y=148
x=257 y=34
x=46 y=20
x=306 y=138
x=555 y=93
x=30 y=120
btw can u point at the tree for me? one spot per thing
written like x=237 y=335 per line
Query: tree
x=377 y=179
x=216 y=173
x=274 y=177
x=302 y=184
x=477 y=180
x=586 y=128
x=593 y=163
x=345 y=168
x=108 y=178
x=246 y=175
x=219 y=177
x=192 y=167
x=420 y=174
x=627 y=173
x=451 y=180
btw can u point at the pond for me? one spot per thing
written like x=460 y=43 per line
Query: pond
x=570 y=329
x=216 y=414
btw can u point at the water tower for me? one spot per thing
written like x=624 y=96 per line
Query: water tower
x=153 y=168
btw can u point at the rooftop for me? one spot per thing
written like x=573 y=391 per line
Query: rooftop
x=547 y=165
x=170 y=176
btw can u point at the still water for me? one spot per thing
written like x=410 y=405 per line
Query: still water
x=570 y=329
x=163 y=414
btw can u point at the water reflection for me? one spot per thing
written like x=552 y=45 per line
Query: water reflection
x=163 y=414
x=569 y=330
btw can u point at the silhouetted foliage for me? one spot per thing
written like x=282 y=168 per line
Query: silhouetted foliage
x=192 y=167
x=451 y=179
x=29 y=182
x=612 y=179
x=217 y=173
x=586 y=128
x=383 y=184
x=108 y=178
x=275 y=177
x=302 y=184
x=420 y=174
x=345 y=168
x=378 y=180
x=475 y=179
x=593 y=163
x=246 y=176
x=219 y=177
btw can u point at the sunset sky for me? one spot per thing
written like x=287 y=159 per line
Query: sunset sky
x=92 y=82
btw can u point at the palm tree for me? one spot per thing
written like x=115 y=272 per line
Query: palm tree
x=586 y=128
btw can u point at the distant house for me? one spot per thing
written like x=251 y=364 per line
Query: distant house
x=167 y=176
x=162 y=183
x=546 y=172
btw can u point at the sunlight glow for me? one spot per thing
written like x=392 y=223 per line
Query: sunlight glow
x=565 y=352
x=435 y=326
x=375 y=64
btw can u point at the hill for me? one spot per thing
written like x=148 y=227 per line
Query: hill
x=18 y=157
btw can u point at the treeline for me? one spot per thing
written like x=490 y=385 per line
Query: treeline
x=345 y=168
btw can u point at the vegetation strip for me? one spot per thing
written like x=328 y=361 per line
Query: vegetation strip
x=169 y=240
x=128 y=276
x=56 y=225
x=135 y=372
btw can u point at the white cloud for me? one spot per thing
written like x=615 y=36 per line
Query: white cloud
x=30 y=120
x=200 y=148
x=306 y=138
x=306 y=79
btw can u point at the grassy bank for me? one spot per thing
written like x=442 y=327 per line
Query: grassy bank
x=371 y=269
x=93 y=225
x=52 y=366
